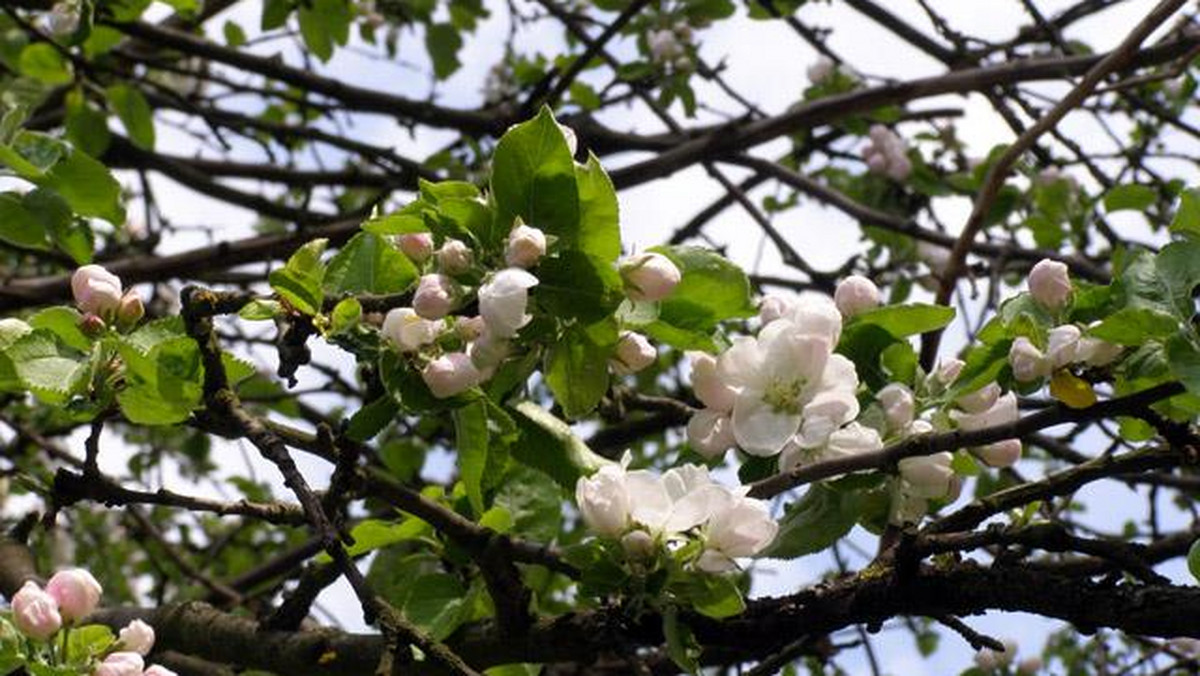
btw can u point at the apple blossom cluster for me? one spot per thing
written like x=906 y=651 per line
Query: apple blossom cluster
x=646 y=511
x=455 y=353
x=931 y=477
x=886 y=154
x=783 y=389
x=993 y=661
x=71 y=595
x=786 y=392
x=1050 y=287
x=669 y=47
x=99 y=296
x=820 y=70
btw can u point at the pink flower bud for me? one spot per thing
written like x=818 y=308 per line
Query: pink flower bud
x=138 y=637
x=821 y=69
x=96 y=290
x=898 y=405
x=92 y=325
x=947 y=371
x=638 y=544
x=434 y=296
x=855 y=294
x=450 y=374
x=76 y=591
x=455 y=257
x=409 y=331
x=649 y=277
x=980 y=400
x=121 y=664
x=35 y=612
x=928 y=476
x=131 y=310
x=1050 y=284
x=1027 y=361
x=633 y=354
x=1003 y=453
x=526 y=246
x=158 y=670
x=418 y=246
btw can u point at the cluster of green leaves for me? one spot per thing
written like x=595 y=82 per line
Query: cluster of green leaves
x=76 y=655
x=325 y=25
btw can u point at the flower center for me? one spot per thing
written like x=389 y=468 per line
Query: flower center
x=784 y=395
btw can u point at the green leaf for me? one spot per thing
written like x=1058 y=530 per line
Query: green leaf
x=1184 y=360
x=275 y=14
x=471 y=440
x=431 y=599
x=87 y=186
x=20 y=226
x=259 y=310
x=681 y=643
x=716 y=596
x=443 y=42
x=89 y=640
x=599 y=213
x=710 y=291
x=235 y=35
x=324 y=23
x=163 y=386
x=1135 y=325
x=907 y=320
x=63 y=322
x=1187 y=216
x=577 y=286
x=372 y=534
x=48 y=367
x=134 y=112
x=548 y=444
x=42 y=61
x=371 y=419
x=533 y=176
x=300 y=280
x=1129 y=196
x=87 y=126
x=576 y=367
x=1193 y=559
x=345 y=316
x=368 y=264
x=533 y=501
x=1178 y=268
x=73 y=236
x=812 y=524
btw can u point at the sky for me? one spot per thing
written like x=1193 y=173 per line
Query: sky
x=766 y=62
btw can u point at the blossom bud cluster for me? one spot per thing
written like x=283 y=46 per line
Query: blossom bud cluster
x=70 y=596
x=99 y=296
x=1050 y=287
x=645 y=510
x=783 y=391
x=454 y=352
x=669 y=47
x=1065 y=345
x=886 y=154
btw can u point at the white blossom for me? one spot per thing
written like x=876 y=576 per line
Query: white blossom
x=502 y=301
x=789 y=381
x=409 y=331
